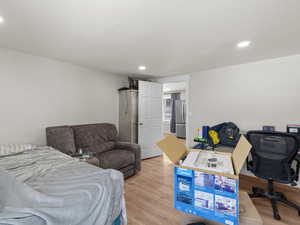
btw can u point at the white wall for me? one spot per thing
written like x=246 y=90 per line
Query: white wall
x=171 y=79
x=251 y=95
x=37 y=92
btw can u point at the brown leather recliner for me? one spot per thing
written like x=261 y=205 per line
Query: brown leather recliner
x=99 y=138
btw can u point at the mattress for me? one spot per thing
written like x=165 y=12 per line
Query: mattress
x=45 y=186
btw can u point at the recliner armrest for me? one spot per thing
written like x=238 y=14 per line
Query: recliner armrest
x=127 y=145
x=135 y=148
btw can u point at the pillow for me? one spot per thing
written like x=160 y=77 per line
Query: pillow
x=10 y=149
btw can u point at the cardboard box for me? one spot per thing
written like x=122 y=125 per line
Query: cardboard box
x=212 y=195
x=248 y=214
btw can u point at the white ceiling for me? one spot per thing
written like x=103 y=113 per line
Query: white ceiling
x=168 y=36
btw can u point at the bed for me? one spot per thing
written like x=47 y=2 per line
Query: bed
x=43 y=186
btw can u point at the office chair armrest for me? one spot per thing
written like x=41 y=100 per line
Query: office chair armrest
x=297 y=159
x=247 y=163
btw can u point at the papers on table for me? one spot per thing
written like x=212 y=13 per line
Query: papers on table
x=209 y=161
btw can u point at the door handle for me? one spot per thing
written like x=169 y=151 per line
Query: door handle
x=141 y=124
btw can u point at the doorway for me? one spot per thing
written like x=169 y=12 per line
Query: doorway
x=175 y=109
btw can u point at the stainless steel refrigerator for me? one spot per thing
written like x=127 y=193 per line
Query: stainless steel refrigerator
x=180 y=115
x=128 y=116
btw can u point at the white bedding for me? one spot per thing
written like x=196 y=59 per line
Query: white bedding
x=44 y=186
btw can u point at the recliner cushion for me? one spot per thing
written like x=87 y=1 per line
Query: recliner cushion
x=94 y=135
x=61 y=138
x=116 y=159
x=103 y=147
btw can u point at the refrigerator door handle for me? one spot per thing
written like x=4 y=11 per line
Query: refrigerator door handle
x=182 y=114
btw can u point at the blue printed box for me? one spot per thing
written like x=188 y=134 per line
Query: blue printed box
x=211 y=195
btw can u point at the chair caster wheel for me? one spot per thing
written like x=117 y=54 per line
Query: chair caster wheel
x=277 y=217
x=251 y=195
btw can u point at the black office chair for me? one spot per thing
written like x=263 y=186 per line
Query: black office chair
x=272 y=156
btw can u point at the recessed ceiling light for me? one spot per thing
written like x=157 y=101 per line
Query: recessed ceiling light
x=243 y=44
x=1 y=19
x=142 y=68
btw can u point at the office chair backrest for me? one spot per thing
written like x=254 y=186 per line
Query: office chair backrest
x=272 y=154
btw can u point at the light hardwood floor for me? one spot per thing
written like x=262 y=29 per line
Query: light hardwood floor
x=149 y=198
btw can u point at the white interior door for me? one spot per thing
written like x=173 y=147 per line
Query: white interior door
x=150 y=118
